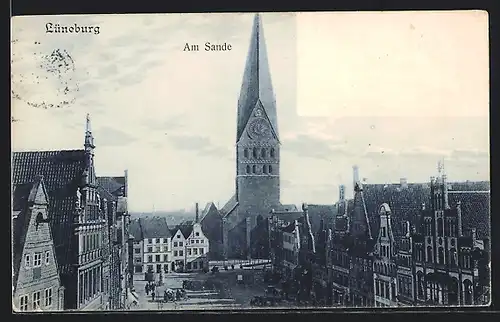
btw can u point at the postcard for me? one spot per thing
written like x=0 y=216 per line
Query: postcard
x=234 y=161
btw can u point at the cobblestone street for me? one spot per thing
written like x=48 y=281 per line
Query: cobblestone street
x=195 y=300
x=227 y=293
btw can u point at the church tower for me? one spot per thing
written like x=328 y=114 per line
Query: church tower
x=257 y=140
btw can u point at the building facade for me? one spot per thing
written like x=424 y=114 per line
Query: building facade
x=384 y=262
x=137 y=246
x=77 y=221
x=36 y=282
x=190 y=246
x=157 y=247
x=405 y=269
x=114 y=190
x=447 y=262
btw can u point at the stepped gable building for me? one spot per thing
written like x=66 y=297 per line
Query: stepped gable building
x=211 y=224
x=76 y=219
x=384 y=262
x=190 y=245
x=450 y=267
x=257 y=155
x=36 y=282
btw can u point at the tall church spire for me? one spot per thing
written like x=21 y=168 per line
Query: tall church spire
x=257 y=86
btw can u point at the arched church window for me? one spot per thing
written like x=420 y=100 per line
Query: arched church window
x=270 y=169
x=264 y=168
x=272 y=153
x=245 y=153
x=248 y=169
x=255 y=153
x=254 y=169
x=441 y=255
x=263 y=152
x=440 y=227
x=429 y=254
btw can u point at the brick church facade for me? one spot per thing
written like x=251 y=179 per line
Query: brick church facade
x=257 y=158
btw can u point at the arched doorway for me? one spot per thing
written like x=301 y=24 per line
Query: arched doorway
x=453 y=291
x=420 y=285
x=467 y=292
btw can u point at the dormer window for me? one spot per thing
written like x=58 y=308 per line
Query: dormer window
x=197 y=234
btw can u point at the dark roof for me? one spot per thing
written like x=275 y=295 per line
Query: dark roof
x=20 y=195
x=319 y=212
x=186 y=228
x=135 y=229
x=229 y=206
x=105 y=194
x=210 y=209
x=406 y=204
x=154 y=227
x=62 y=174
x=115 y=185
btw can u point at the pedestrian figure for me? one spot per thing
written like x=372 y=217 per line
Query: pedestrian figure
x=153 y=295
x=147 y=289
x=165 y=298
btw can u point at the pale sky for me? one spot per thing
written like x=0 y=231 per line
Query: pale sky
x=391 y=92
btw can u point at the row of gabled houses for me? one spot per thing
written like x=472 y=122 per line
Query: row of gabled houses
x=70 y=241
x=160 y=249
x=358 y=255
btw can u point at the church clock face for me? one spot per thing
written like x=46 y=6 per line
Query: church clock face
x=259 y=128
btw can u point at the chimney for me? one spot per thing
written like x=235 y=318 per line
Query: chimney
x=125 y=193
x=408 y=229
x=403 y=182
x=355 y=175
x=459 y=218
x=197 y=214
x=474 y=236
